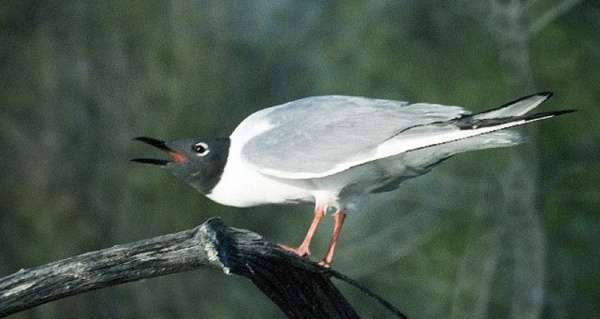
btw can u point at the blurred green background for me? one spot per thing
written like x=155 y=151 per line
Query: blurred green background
x=505 y=233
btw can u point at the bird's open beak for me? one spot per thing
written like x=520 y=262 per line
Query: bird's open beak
x=176 y=156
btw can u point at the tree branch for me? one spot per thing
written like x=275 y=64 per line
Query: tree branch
x=300 y=287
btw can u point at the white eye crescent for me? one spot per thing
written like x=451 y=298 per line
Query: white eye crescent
x=201 y=149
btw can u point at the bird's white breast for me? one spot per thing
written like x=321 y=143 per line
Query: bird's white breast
x=242 y=186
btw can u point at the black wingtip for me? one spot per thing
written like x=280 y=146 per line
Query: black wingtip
x=562 y=112
x=545 y=115
x=547 y=94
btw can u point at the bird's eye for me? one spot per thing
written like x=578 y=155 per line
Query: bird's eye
x=200 y=149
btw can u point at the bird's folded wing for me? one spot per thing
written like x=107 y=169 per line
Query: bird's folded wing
x=321 y=136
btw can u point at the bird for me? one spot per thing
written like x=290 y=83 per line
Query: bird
x=332 y=150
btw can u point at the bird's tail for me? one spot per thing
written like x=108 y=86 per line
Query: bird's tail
x=489 y=129
x=426 y=145
x=509 y=115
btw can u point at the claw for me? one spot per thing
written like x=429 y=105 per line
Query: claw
x=302 y=252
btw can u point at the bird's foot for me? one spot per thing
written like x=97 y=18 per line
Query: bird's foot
x=301 y=251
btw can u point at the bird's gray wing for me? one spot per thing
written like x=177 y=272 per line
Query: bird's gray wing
x=321 y=136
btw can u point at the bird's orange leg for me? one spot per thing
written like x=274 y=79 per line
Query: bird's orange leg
x=338 y=218
x=304 y=249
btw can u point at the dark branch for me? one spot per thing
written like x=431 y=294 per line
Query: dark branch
x=212 y=245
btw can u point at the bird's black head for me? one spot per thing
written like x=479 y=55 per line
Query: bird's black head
x=199 y=162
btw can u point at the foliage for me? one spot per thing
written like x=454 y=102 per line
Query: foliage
x=499 y=233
